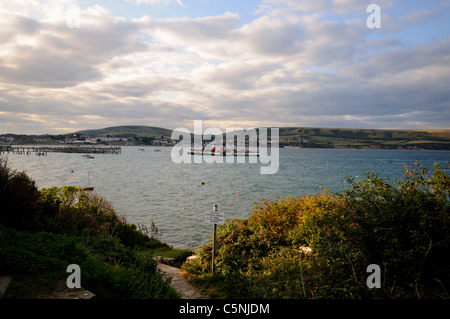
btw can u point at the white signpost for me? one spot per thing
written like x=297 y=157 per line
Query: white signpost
x=214 y=218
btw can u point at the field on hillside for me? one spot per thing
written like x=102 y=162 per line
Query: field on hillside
x=369 y=138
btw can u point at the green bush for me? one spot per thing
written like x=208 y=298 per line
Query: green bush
x=320 y=246
x=42 y=232
x=18 y=196
x=79 y=211
x=71 y=210
x=402 y=226
x=108 y=268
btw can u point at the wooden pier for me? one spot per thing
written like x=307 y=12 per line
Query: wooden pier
x=43 y=150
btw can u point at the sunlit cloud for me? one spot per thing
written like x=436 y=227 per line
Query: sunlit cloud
x=294 y=63
x=157 y=2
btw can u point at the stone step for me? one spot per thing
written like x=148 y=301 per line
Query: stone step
x=186 y=290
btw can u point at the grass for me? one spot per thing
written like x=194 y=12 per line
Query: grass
x=137 y=131
x=218 y=286
x=44 y=231
x=38 y=263
x=179 y=255
x=34 y=286
x=363 y=138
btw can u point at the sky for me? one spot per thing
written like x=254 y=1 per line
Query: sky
x=68 y=65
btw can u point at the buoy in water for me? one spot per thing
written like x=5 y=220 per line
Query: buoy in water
x=71 y=171
x=203 y=183
x=238 y=192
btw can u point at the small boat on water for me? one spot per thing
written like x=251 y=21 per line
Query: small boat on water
x=157 y=150
x=89 y=188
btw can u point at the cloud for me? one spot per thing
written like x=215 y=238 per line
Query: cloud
x=157 y=2
x=319 y=6
x=189 y=31
x=49 y=54
x=417 y=17
x=402 y=60
x=297 y=63
x=270 y=37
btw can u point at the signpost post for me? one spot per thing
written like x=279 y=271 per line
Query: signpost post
x=215 y=218
x=214 y=242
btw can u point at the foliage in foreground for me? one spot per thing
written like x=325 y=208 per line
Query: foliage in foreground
x=319 y=246
x=42 y=232
x=108 y=268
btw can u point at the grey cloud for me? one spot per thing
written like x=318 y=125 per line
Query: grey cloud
x=190 y=29
x=64 y=57
x=43 y=69
x=26 y=25
x=271 y=38
x=320 y=6
x=239 y=76
x=401 y=59
x=261 y=36
x=12 y=26
x=331 y=42
x=305 y=71
x=142 y=86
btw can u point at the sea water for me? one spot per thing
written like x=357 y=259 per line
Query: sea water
x=147 y=186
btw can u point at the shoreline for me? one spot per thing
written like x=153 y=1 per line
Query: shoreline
x=112 y=146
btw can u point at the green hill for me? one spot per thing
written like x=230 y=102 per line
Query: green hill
x=366 y=138
x=129 y=131
x=310 y=137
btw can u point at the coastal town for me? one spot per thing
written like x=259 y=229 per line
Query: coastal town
x=80 y=139
x=292 y=137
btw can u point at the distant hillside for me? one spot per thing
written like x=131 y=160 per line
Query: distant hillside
x=310 y=137
x=368 y=138
x=129 y=131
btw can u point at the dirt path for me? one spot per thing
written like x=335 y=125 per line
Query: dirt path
x=4 y=282
x=186 y=290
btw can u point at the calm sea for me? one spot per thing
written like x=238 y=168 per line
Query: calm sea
x=146 y=185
